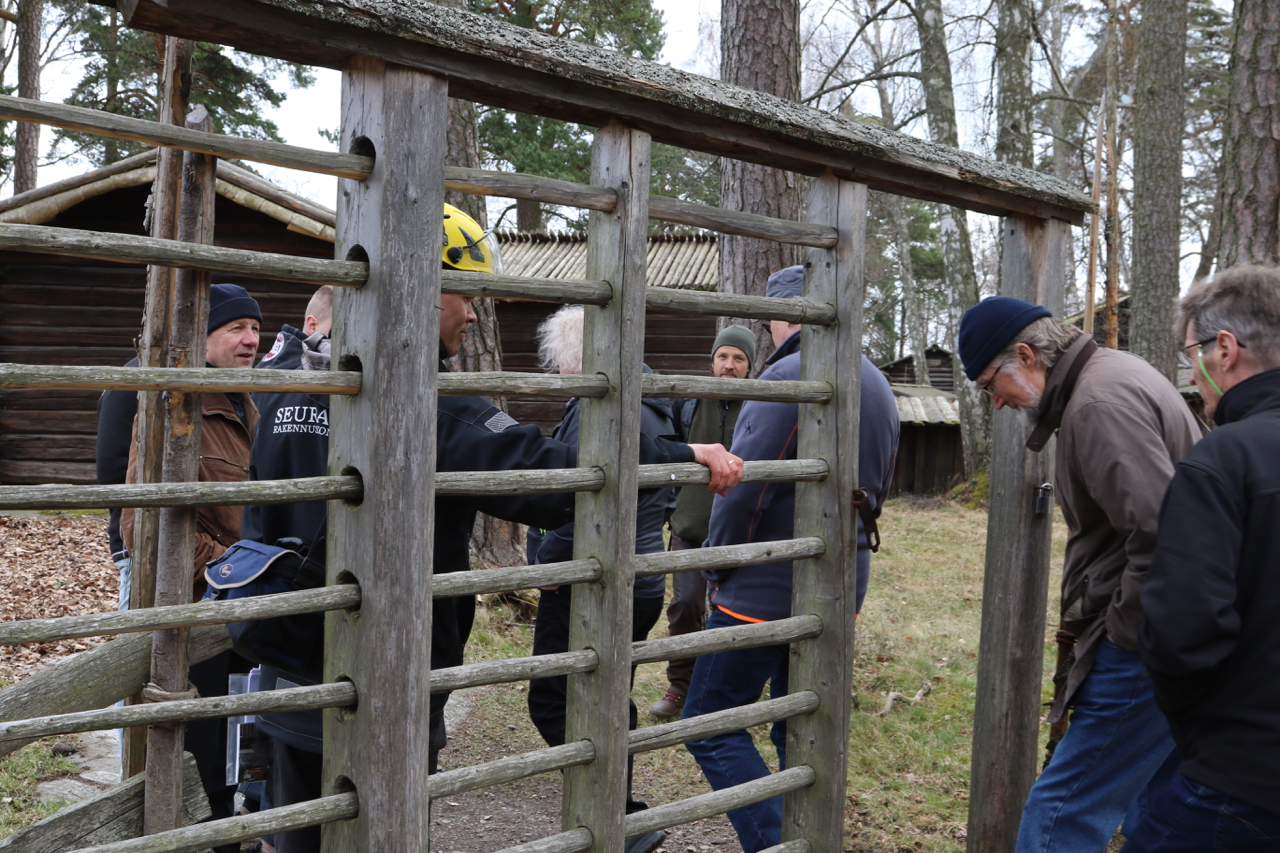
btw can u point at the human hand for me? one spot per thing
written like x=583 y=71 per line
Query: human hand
x=725 y=468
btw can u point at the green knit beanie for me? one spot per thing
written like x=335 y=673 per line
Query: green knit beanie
x=740 y=337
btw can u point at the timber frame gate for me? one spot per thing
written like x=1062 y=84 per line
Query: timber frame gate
x=401 y=61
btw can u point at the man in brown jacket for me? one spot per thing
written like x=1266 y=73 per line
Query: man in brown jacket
x=1122 y=427
x=226 y=436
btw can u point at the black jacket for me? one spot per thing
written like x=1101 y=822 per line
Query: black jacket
x=1211 y=635
x=116 y=411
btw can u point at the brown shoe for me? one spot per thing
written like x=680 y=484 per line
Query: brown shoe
x=669 y=705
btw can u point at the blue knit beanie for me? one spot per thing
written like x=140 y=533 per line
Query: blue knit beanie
x=987 y=328
x=229 y=302
x=786 y=283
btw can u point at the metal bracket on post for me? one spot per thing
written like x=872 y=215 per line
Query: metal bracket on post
x=1044 y=499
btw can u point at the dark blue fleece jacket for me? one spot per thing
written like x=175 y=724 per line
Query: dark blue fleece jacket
x=764 y=512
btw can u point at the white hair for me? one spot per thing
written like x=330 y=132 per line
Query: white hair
x=560 y=340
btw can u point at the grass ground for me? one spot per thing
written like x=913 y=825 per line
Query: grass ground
x=20 y=772
x=908 y=770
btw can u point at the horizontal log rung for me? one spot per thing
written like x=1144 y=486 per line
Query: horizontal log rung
x=777 y=632
x=100 y=123
x=452 y=782
x=720 y=722
x=228 y=830
x=573 y=841
x=512 y=669
x=728 y=556
x=182 y=494
x=512 y=578
x=554 y=480
x=271 y=701
x=718 y=802
x=250 y=380
x=796 y=845
x=131 y=249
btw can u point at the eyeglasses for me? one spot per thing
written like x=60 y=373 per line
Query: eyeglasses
x=986 y=386
x=1184 y=358
x=762 y=324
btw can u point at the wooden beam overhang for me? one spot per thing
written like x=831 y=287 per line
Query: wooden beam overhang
x=502 y=65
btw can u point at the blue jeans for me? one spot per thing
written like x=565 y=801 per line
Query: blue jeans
x=728 y=680
x=1117 y=749
x=1187 y=817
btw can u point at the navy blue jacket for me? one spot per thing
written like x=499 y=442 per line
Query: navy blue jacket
x=652 y=509
x=1210 y=635
x=116 y=411
x=764 y=512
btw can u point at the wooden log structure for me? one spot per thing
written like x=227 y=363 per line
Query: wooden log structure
x=718 y=802
x=206 y=379
x=573 y=841
x=111 y=815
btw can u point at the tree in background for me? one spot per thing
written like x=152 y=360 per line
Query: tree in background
x=1206 y=88
x=8 y=15
x=542 y=146
x=122 y=68
x=1251 y=161
x=1157 y=182
x=759 y=49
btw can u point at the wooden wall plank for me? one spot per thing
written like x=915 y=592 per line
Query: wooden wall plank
x=827 y=585
x=609 y=437
x=388 y=434
x=1015 y=587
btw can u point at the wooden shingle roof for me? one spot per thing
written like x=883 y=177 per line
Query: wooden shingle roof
x=683 y=261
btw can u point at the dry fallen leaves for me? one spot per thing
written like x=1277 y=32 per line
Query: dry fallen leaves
x=52 y=566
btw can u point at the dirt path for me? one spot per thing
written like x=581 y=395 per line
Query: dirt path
x=496 y=724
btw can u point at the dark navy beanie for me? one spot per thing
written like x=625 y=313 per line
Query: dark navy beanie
x=786 y=283
x=987 y=328
x=229 y=302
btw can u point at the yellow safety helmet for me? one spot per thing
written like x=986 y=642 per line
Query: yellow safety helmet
x=466 y=245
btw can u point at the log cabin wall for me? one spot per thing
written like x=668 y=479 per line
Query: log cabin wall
x=59 y=310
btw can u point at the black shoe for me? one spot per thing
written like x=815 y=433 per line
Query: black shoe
x=646 y=843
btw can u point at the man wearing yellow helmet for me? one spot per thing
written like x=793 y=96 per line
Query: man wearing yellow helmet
x=475 y=435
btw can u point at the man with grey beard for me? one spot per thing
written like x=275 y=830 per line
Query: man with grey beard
x=1122 y=427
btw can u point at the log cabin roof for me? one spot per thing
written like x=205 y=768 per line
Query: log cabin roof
x=685 y=261
x=921 y=405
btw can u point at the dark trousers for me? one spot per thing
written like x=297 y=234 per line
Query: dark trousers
x=451 y=621
x=206 y=740
x=686 y=614
x=295 y=778
x=1187 y=817
x=548 y=696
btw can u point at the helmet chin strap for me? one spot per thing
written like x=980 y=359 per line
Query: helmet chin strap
x=1206 y=374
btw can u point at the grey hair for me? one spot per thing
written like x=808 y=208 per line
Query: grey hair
x=1048 y=336
x=1243 y=300
x=560 y=340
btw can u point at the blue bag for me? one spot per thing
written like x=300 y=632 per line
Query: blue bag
x=292 y=643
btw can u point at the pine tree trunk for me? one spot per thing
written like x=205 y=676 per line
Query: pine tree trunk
x=29 y=33
x=759 y=49
x=1251 y=163
x=1157 y=183
x=953 y=227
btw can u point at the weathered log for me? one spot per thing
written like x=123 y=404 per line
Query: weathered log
x=116 y=126
x=96 y=678
x=798 y=845
x=562 y=290
x=740 y=223
x=503 y=65
x=752 y=636
x=693 y=474
x=243 y=178
x=182 y=494
x=239 y=828
x=32 y=377
x=712 y=388
x=337 y=695
x=509 y=579
x=535 y=187
x=700 y=304
x=513 y=669
x=509 y=769
x=510 y=384
x=182 y=615
x=573 y=841
x=719 y=802
x=718 y=722
x=727 y=556
x=127 y=248
x=119 y=167
x=111 y=815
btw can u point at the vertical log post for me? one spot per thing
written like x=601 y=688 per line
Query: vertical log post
x=601 y=615
x=827 y=585
x=390 y=330
x=181 y=460
x=1006 y=725
x=153 y=352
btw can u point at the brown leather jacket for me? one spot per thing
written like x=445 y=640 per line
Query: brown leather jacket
x=224 y=458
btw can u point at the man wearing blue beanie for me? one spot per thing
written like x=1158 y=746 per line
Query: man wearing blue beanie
x=1122 y=427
